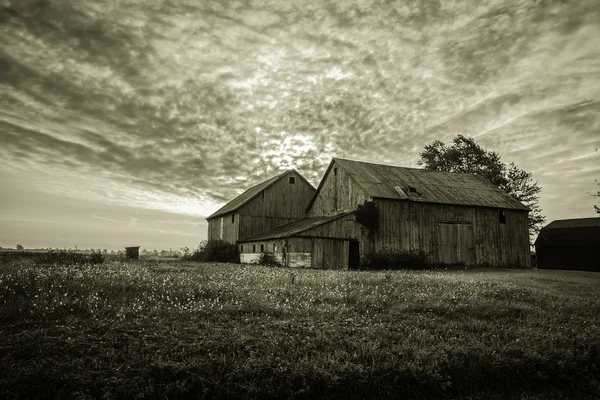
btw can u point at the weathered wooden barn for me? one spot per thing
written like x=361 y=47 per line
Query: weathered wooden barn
x=362 y=208
x=569 y=244
x=274 y=202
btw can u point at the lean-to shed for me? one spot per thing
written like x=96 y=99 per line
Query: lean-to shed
x=569 y=244
x=274 y=202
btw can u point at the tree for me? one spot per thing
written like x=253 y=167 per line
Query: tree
x=465 y=155
x=19 y=247
x=597 y=206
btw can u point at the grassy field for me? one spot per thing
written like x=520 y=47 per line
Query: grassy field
x=186 y=330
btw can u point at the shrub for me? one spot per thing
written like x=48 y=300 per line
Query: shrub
x=70 y=257
x=268 y=260
x=395 y=260
x=215 y=250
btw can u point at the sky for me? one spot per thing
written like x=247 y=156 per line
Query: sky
x=127 y=122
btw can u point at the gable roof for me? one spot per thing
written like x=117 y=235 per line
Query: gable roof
x=573 y=223
x=295 y=227
x=570 y=232
x=424 y=186
x=251 y=193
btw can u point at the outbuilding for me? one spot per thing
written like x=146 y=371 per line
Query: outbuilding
x=569 y=244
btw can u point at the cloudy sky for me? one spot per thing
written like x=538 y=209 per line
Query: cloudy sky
x=128 y=121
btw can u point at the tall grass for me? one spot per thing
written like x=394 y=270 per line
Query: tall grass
x=188 y=330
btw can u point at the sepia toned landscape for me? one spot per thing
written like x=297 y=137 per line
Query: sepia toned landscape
x=300 y=199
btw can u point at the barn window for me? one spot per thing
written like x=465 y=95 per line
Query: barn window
x=262 y=195
x=502 y=217
x=335 y=171
x=232 y=218
x=262 y=248
x=241 y=248
x=412 y=189
x=254 y=248
x=292 y=180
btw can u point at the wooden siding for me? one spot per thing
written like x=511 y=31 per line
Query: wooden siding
x=343 y=228
x=409 y=226
x=251 y=225
x=337 y=192
x=329 y=253
x=281 y=203
x=225 y=230
x=291 y=252
x=454 y=243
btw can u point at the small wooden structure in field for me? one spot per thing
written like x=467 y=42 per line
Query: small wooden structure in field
x=569 y=244
x=361 y=208
x=132 y=252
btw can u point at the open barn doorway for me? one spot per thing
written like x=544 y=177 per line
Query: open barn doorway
x=354 y=255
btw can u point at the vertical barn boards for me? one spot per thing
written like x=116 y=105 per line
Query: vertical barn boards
x=451 y=234
x=330 y=253
x=329 y=242
x=454 y=243
x=274 y=202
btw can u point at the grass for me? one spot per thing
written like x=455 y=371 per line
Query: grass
x=153 y=329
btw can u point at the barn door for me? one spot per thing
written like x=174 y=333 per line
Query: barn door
x=455 y=244
x=354 y=255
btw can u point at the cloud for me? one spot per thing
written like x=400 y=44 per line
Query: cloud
x=169 y=101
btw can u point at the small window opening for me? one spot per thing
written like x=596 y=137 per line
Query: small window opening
x=241 y=248
x=335 y=171
x=262 y=195
x=292 y=180
x=274 y=247
x=254 y=248
x=262 y=248
x=232 y=218
x=502 y=216
x=412 y=189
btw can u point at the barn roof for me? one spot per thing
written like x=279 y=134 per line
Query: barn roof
x=251 y=193
x=420 y=185
x=570 y=232
x=295 y=227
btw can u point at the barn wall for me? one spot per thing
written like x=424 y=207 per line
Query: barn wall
x=583 y=258
x=329 y=253
x=406 y=226
x=290 y=252
x=342 y=228
x=338 y=192
x=252 y=225
x=229 y=231
x=281 y=203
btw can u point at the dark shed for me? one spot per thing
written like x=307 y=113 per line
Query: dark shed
x=133 y=252
x=569 y=244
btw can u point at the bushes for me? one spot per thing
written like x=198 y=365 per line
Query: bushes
x=70 y=257
x=395 y=260
x=215 y=250
x=268 y=260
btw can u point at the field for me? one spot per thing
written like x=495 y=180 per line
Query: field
x=154 y=329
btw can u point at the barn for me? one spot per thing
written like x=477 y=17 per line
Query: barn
x=274 y=202
x=569 y=244
x=361 y=208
